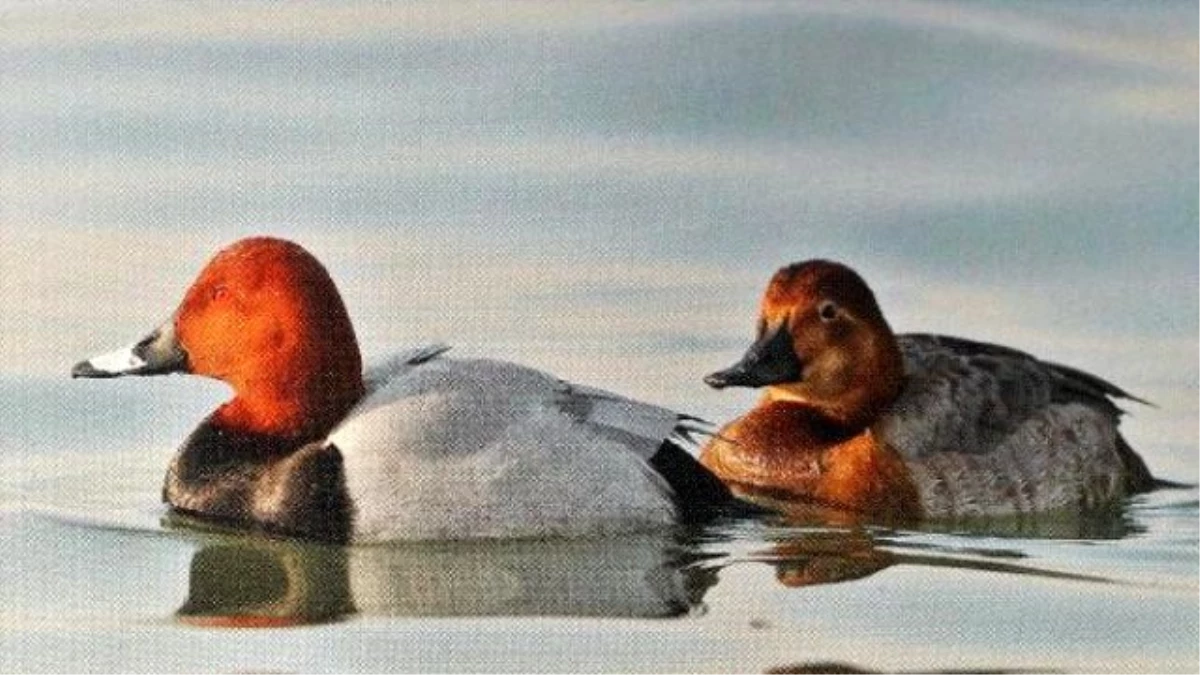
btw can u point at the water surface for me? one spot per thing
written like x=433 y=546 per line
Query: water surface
x=600 y=191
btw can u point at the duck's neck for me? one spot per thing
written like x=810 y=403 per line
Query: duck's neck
x=853 y=394
x=289 y=411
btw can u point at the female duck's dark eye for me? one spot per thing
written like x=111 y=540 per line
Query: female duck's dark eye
x=827 y=311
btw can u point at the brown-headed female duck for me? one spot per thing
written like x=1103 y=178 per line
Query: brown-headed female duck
x=910 y=427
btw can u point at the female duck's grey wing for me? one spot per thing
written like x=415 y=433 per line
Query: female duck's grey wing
x=966 y=396
x=1069 y=384
x=1001 y=425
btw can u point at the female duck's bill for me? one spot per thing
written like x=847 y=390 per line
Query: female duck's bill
x=420 y=447
x=906 y=427
x=770 y=360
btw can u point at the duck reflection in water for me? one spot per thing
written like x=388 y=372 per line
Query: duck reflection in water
x=825 y=556
x=247 y=582
x=238 y=581
x=817 y=545
x=266 y=584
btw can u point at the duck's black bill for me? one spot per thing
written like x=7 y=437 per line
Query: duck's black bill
x=770 y=360
x=156 y=354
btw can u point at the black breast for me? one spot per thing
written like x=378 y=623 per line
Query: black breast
x=260 y=482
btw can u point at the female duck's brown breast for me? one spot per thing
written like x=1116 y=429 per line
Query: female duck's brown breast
x=779 y=448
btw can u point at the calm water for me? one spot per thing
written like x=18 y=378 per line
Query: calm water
x=600 y=191
x=95 y=579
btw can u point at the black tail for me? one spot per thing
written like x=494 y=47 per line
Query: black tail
x=1138 y=476
x=699 y=495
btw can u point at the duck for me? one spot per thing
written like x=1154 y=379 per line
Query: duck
x=418 y=446
x=863 y=424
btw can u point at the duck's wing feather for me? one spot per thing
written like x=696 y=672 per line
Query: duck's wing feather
x=969 y=397
x=987 y=429
x=641 y=426
x=664 y=439
x=1068 y=384
x=393 y=366
x=449 y=448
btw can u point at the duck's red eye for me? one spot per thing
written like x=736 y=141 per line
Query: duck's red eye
x=219 y=292
x=827 y=311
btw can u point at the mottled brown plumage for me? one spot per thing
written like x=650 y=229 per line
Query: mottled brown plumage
x=915 y=426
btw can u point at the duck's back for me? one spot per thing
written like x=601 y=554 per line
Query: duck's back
x=452 y=449
x=988 y=430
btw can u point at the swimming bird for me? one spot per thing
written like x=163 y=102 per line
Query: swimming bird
x=420 y=446
x=910 y=427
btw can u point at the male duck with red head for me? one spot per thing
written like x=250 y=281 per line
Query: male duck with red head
x=419 y=447
x=909 y=427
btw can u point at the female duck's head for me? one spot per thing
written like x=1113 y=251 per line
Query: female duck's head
x=823 y=343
